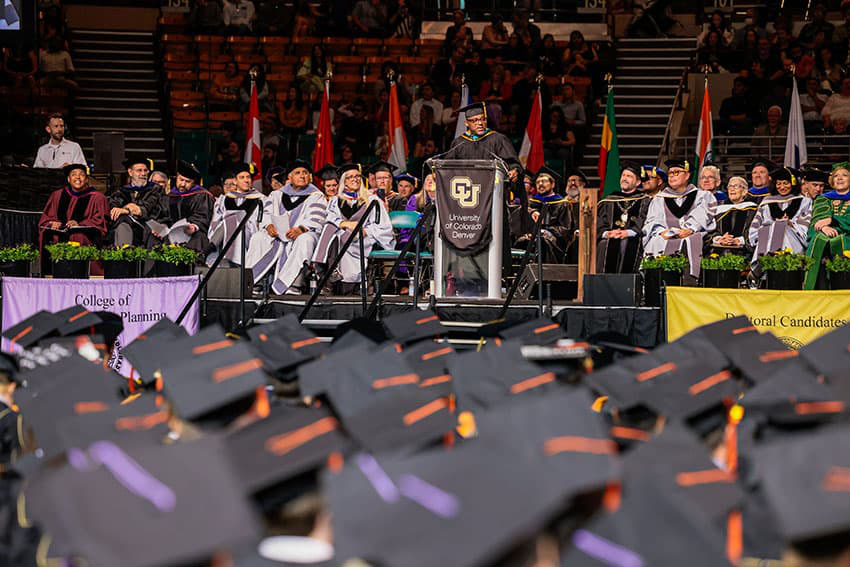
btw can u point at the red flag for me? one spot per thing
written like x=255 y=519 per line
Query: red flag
x=531 y=151
x=324 y=152
x=253 y=151
x=397 y=150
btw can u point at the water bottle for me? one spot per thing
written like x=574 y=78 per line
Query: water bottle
x=411 y=288
x=314 y=279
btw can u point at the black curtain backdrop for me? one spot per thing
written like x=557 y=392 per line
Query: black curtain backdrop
x=18 y=227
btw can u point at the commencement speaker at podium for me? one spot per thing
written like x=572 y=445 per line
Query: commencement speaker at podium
x=479 y=142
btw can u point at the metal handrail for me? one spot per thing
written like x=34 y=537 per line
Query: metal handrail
x=817 y=144
x=664 y=150
x=240 y=229
x=373 y=307
x=335 y=262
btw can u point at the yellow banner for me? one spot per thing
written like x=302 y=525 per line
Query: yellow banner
x=796 y=317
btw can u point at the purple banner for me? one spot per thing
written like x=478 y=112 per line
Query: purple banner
x=139 y=302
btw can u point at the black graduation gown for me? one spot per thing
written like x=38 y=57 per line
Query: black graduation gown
x=485 y=146
x=757 y=197
x=735 y=222
x=572 y=249
x=148 y=199
x=397 y=202
x=620 y=256
x=558 y=230
x=196 y=206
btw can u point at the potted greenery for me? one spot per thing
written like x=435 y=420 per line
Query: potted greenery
x=785 y=269
x=173 y=260
x=722 y=270
x=71 y=259
x=839 y=271
x=16 y=261
x=123 y=262
x=661 y=269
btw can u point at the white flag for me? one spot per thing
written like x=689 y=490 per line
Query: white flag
x=795 y=145
x=461 y=117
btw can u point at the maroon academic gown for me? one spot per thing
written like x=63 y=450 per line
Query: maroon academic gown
x=88 y=207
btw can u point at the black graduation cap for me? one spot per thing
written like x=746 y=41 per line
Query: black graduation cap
x=34 y=328
x=382 y=166
x=540 y=331
x=813 y=174
x=167 y=345
x=785 y=174
x=430 y=361
x=295 y=164
x=328 y=172
x=349 y=167
x=285 y=343
x=806 y=480
x=682 y=163
x=188 y=170
x=829 y=356
x=212 y=380
x=760 y=356
x=474 y=109
x=72 y=166
x=578 y=173
x=245 y=168
x=290 y=441
x=414 y=325
x=372 y=330
x=496 y=375
x=75 y=319
x=631 y=166
x=468 y=506
x=764 y=162
x=649 y=171
x=134 y=159
x=551 y=174
x=412 y=179
x=8 y=368
x=184 y=499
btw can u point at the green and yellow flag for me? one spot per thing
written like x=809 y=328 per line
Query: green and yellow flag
x=609 y=153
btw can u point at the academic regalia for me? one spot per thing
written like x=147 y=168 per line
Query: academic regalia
x=397 y=202
x=348 y=208
x=558 y=230
x=194 y=205
x=757 y=194
x=690 y=209
x=768 y=233
x=88 y=207
x=832 y=205
x=620 y=211
x=228 y=212
x=306 y=208
x=469 y=146
x=149 y=200
x=734 y=219
x=572 y=249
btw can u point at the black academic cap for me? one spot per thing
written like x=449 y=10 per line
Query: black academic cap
x=474 y=109
x=764 y=162
x=551 y=174
x=138 y=417
x=167 y=345
x=813 y=174
x=8 y=368
x=541 y=331
x=245 y=167
x=34 y=328
x=76 y=319
x=188 y=170
x=463 y=507
x=349 y=167
x=290 y=441
x=134 y=159
x=372 y=330
x=806 y=480
x=760 y=356
x=649 y=171
x=412 y=179
x=578 y=173
x=295 y=164
x=212 y=379
x=631 y=166
x=328 y=172
x=497 y=375
x=414 y=325
x=72 y=166
x=784 y=174
x=682 y=163
x=829 y=355
x=382 y=166
x=285 y=343
x=430 y=361
x=183 y=502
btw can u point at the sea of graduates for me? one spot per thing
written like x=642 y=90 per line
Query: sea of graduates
x=388 y=447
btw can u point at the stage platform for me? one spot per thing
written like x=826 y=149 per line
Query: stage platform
x=642 y=325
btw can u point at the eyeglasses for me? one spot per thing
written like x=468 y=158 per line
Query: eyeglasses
x=676 y=172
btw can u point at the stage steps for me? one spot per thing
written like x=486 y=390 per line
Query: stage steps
x=118 y=92
x=645 y=84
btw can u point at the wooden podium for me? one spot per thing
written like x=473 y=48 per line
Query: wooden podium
x=586 y=236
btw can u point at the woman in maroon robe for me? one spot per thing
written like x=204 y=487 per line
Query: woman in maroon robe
x=75 y=213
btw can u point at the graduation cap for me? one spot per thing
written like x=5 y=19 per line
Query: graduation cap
x=382 y=166
x=551 y=174
x=244 y=168
x=289 y=442
x=474 y=109
x=468 y=506
x=785 y=174
x=285 y=343
x=72 y=166
x=168 y=344
x=430 y=361
x=8 y=368
x=649 y=171
x=760 y=356
x=760 y=161
x=540 y=331
x=34 y=328
x=349 y=167
x=829 y=356
x=112 y=492
x=328 y=172
x=813 y=174
x=135 y=159
x=578 y=173
x=413 y=180
x=188 y=170
x=680 y=163
x=414 y=325
x=298 y=163
x=631 y=166
x=78 y=320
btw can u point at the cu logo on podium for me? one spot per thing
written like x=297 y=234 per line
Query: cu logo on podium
x=464 y=192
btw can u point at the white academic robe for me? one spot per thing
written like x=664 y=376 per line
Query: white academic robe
x=659 y=218
x=224 y=223
x=378 y=231
x=286 y=257
x=769 y=234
